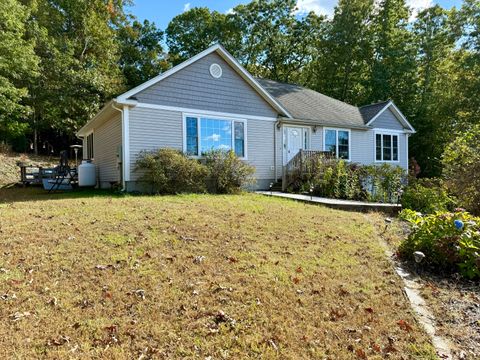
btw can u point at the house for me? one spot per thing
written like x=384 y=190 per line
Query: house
x=211 y=101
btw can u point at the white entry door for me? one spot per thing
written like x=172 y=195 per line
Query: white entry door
x=295 y=139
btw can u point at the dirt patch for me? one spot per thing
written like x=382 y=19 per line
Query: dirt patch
x=453 y=302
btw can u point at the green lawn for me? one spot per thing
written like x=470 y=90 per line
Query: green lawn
x=196 y=276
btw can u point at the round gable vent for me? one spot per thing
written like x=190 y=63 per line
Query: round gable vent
x=216 y=71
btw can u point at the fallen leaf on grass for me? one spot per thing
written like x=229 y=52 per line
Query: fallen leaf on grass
x=102 y=267
x=369 y=310
x=199 y=259
x=360 y=354
x=19 y=315
x=404 y=325
x=62 y=339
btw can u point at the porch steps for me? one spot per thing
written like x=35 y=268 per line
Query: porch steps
x=277 y=186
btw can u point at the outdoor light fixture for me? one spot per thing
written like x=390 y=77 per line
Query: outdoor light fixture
x=418 y=256
x=314 y=129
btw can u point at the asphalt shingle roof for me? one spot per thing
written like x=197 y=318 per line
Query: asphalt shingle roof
x=306 y=104
x=369 y=111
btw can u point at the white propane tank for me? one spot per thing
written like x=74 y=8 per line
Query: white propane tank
x=87 y=174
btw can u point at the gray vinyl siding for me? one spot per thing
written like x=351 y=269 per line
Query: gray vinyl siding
x=260 y=147
x=193 y=87
x=387 y=120
x=152 y=129
x=106 y=139
x=316 y=139
x=363 y=148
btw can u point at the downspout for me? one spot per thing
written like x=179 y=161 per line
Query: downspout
x=122 y=172
x=275 y=128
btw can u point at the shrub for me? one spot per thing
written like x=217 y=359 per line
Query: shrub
x=171 y=172
x=336 y=178
x=383 y=182
x=450 y=241
x=226 y=172
x=461 y=162
x=427 y=196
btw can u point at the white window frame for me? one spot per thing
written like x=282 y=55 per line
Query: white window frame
x=391 y=133
x=233 y=120
x=325 y=129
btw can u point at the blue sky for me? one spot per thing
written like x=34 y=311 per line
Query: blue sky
x=162 y=11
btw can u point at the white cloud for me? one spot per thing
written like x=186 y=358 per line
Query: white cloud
x=186 y=7
x=230 y=11
x=417 y=6
x=326 y=7
x=214 y=137
x=319 y=7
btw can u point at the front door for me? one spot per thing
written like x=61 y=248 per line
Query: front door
x=295 y=139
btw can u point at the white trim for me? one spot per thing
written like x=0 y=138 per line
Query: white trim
x=398 y=114
x=325 y=128
x=126 y=143
x=232 y=120
x=219 y=73
x=205 y=112
x=386 y=132
x=226 y=56
x=285 y=138
x=393 y=131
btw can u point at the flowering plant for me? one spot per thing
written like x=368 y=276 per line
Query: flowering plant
x=450 y=241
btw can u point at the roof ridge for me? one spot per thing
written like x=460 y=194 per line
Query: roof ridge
x=306 y=88
x=377 y=103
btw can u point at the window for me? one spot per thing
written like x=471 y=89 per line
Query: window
x=386 y=147
x=89 y=149
x=205 y=134
x=338 y=142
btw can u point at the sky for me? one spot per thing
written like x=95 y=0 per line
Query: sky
x=162 y=11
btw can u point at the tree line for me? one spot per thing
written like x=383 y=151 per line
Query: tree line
x=60 y=60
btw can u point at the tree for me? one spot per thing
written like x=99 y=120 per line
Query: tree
x=461 y=162
x=78 y=50
x=276 y=44
x=17 y=61
x=141 y=53
x=342 y=69
x=197 y=29
x=434 y=107
x=394 y=69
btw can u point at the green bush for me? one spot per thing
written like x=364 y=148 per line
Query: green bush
x=384 y=182
x=427 y=196
x=227 y=173
x=171 y=172
x=449 y=241
x=334 y=178
x=461 y=169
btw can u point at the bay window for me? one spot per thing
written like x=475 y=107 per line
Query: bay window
x=337 y=141
x=386 y=147
x=204 y=134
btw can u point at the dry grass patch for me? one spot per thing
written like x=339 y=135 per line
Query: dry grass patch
x=229 y=277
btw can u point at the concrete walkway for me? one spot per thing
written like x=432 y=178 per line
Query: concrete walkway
x=337 y=203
